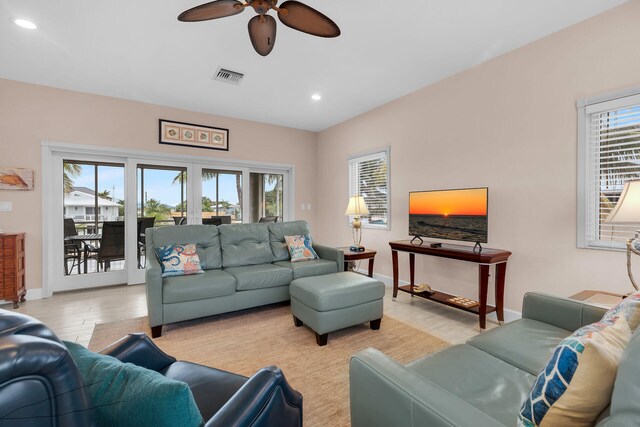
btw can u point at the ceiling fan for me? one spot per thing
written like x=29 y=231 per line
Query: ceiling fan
x=262 y=28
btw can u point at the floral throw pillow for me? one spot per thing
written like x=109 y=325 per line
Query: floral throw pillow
x=629 y=308
x=179 y=260
x=300 y=248
x=577 y=383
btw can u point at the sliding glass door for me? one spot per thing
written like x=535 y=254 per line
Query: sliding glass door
x=267 y=196
x=221 y=197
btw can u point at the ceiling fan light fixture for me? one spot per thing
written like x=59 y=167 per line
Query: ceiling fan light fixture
x=25 y=23
x=262 y=28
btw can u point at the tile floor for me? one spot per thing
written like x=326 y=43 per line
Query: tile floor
x=73 y=315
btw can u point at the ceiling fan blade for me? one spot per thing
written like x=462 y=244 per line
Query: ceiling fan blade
x=215 y=9
x=303 y=18
x=262 y=32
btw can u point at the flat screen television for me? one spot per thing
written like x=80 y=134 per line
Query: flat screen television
x=459 y=214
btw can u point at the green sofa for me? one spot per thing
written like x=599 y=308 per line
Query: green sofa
x=245 y=265
x=484 y=382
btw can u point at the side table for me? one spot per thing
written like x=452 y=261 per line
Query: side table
x=357 y=256
x=601 y=298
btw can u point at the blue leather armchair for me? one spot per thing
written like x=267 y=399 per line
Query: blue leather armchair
x=40 y=384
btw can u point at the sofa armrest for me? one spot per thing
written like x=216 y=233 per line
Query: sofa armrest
x=266 y=399
x=139 y=350
x=330 y=254
x=561 y=312
x=385 y=393
x=153 y=284
x=40 y=384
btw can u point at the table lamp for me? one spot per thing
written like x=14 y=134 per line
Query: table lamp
x=627 y=210
x=357 y=207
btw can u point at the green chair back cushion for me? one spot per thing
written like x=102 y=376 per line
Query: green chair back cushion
x=127 y=395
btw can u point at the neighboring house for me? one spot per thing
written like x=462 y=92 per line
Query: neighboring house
x=80 y=204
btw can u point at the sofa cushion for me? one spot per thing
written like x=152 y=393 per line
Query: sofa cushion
x=260 y=276
x=485 y=382
x=314 y=267
x=577 y=383
x=245 y=244
x=211 y=387
x=126 y=395
x=277 y=231
x=179 y=260
x=337 y=290
x=206 y=237
x=524 y=343
x=211 y=284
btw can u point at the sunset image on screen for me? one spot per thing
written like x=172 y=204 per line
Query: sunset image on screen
x=449 y=214
x=449 y=202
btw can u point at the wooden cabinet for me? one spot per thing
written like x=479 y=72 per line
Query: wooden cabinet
x=12 y=284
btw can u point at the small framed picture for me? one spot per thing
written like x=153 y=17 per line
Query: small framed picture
x=203 y=136
x=187 y=134
x=191 y=135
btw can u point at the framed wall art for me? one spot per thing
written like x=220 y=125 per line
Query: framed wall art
x=16 y=178
x=190 y=135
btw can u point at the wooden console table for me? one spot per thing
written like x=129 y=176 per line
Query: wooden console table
x=484 y=259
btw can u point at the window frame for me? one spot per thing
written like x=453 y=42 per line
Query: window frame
x=368 y=155
x=587 y=168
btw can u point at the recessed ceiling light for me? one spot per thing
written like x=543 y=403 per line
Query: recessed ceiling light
x=316 y=97
x=25 y=24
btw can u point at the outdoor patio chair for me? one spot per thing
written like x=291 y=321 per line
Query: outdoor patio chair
x=72 y=249
x=180 y=220
x=215 y=220
x=143 y=224
x=269 y=219
x=111 y=245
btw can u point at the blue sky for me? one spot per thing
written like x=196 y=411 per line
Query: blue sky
x=158 y=184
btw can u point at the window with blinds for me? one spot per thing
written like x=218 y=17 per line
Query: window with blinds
x=611 y=156
x=369 y=178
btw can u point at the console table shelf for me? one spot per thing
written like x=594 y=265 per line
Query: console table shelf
x=485 y=259
x=443 y=298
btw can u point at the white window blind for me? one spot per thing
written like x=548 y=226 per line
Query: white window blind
x=369 y=178
x=611 y=155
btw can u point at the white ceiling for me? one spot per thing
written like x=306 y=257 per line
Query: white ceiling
x=136 y=49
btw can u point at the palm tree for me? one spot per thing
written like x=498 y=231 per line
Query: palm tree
x=208 y=176
x=106 y=194
x=156 y=209
x=70 y=170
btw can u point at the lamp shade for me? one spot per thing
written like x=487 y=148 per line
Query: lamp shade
x=628 y=207
x=357 y=206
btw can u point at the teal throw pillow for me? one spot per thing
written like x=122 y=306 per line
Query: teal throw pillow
x=179 y=260
x=300 y=248
x=127 y=395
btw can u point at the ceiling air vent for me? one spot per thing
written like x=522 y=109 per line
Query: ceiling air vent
x=228 y=76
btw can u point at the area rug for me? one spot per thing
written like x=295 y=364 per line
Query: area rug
x=243 y=342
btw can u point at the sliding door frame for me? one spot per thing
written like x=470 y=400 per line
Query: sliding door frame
x=52 y=150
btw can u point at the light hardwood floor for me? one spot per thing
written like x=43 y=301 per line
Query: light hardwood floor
x=73 y=315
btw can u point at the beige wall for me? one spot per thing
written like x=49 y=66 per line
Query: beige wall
x=509 y=124
x=30 y=114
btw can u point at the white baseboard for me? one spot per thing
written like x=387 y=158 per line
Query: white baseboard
x=34 y=294
x=509 y=315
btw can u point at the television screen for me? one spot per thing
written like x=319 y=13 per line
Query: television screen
x=449 y=214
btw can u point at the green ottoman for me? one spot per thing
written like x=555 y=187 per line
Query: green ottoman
x=336 y=301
